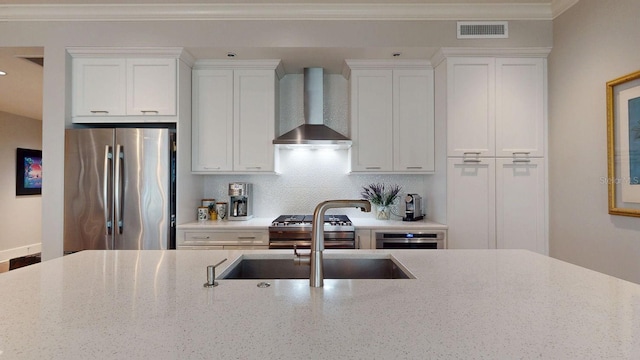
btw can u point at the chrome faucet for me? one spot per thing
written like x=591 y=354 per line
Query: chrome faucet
x=316 y=277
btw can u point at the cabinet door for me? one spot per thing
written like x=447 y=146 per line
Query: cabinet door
x=471 y=106
x=520 y=106
x=151 y=85
x=413 y=121
x=520 y=204
x=254 y=120
x=471 y=203
x=99 y=87
x=212 y=124
x=363 y=240
x=371 y=120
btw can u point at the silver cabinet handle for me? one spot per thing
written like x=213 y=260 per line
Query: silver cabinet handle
x=521 y=153
x=212 y=168
x=373 y=167
x=98 y=111
x=414 y=167
x=472 y=153
x=253 y=167
x=246 y=237
x=201 y=237
x=471 y=160
x=144 y=112
x=521 y=161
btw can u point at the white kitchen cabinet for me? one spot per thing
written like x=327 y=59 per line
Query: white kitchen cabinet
x=471 y=203
x=364 y=239
x=222 y=239
x=254 y=120
x=151 y=87
x=234 y=113
x=371 y=126
x=495 y=106
x=125 y=85
x=392 y=117
x=99 y=87
x=520 y=204
x=212 y=125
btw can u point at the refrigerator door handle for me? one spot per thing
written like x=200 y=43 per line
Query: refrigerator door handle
x=106 y=180
x=118 y=186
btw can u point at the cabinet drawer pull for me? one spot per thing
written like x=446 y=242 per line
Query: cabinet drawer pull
x=521 y=153
x=521 y=161
x=246 y=237
x=212 y=168
x=99 y=111
x=201 y=237
x=472 y=153
x=253 y=167
x=413 y=167
x=372 y=167
x=144 y=112
x=471 y=160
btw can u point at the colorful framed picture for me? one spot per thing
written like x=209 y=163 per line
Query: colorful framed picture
x=28 y=172
x=623 y=145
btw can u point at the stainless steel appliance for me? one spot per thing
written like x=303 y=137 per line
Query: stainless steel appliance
x=289 y=230
x=119 y=190
x=407 y=239
x=241 y=204
x=413 y=208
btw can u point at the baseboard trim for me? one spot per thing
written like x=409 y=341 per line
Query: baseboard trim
x=6 y=255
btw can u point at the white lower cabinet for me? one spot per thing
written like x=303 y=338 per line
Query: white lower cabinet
x=496 y=203
x=222 y=239
x=364 y=240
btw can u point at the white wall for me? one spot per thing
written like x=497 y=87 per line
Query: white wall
x=20 y=216
x=594 y=42
x=55 y=36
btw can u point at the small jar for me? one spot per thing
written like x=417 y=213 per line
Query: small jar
x=203 y=213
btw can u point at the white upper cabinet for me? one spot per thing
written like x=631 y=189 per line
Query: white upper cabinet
x=234 y=113
x=124 y=85
x=99 y=87
x=496 y=106
x=371 y=125
x=392 y=117
x=212 y=125
x=152 y=87
x=520 y=106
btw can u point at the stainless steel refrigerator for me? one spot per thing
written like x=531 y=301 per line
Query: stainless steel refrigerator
x=119 y=189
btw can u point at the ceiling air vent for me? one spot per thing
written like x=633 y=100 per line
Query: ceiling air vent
x=483 y=30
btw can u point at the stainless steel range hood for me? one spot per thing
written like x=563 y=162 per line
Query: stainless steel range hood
x=313 y=132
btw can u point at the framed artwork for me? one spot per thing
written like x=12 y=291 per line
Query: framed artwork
x=623 y=145
x=28 y=172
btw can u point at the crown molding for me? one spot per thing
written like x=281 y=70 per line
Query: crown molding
x=560 y=6
x=444 y=53
x=254 y=11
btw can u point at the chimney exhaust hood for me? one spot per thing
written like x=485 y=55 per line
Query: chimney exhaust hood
x=313 y=133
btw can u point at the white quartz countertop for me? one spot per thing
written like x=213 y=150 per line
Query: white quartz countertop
x=463 y=304
x=264 y=223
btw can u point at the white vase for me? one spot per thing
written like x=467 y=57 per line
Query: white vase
x=383 y=212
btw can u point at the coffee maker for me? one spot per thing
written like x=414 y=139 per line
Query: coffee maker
x=413 y=208
x=240 y=203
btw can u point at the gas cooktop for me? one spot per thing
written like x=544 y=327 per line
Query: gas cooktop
x=307 y=220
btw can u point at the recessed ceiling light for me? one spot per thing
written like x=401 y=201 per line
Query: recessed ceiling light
x=2 y=73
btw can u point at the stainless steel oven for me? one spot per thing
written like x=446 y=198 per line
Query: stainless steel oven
x=408 y=239
x=289 y=231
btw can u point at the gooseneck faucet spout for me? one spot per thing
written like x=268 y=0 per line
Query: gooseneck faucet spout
x=316 y=277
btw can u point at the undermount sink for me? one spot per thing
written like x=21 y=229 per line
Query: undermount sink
x=278 y=267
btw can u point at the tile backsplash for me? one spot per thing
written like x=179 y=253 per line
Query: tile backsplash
x=307 y=178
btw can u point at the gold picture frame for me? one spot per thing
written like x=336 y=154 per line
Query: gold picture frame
x=623 y=145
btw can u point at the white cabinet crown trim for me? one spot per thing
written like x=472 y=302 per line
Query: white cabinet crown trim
x=263 y=64
x=531 y=52
x=352 y=64
x=132 y=52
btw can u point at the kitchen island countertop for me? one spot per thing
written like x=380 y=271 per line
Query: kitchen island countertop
x=463 y=304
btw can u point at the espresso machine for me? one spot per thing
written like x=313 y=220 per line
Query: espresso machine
x=413 y=208
x=240 y=202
